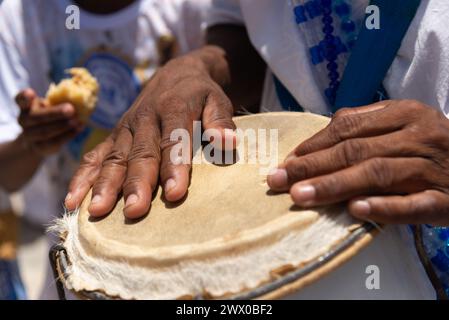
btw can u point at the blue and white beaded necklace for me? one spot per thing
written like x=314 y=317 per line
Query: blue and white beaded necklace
x=323 y=38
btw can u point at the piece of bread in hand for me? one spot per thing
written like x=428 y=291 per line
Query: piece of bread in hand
x=81 y=90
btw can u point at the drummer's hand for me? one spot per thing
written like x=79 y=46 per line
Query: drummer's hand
x=45 y=129
x=138 y=151
x=390 y=159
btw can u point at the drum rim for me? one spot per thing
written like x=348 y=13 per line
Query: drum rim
x=59 y=262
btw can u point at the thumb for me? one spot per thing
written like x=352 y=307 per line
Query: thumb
x=217 y=116
x=24 y=99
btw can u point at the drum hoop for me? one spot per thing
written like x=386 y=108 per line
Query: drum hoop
x=59 y=262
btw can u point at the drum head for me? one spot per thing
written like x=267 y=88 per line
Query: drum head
x=230 y=237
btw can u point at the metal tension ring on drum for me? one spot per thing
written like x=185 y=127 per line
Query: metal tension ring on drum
x=59 y=263
x=58 y=257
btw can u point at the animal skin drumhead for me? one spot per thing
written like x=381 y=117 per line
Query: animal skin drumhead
x=231 y=235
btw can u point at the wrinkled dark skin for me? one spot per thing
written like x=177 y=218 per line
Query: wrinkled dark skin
x=136 y=156
x=388 y=160
x=45 y=130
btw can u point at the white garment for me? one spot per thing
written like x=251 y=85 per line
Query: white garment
x=121 y=49
x=392 y=257
x=420 y=71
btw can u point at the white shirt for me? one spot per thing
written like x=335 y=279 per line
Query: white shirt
x=420 y=70
x=122 y=50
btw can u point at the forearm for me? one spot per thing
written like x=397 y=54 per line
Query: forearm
x=18 y=164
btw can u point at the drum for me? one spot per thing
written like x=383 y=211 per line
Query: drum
x=230 y=238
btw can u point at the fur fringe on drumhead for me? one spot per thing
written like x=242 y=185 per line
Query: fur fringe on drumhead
x=125 y=279
x=61 y=226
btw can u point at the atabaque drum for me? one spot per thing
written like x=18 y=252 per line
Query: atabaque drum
x=231 y=237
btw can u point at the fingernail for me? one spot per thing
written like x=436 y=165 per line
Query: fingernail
x=361 y=208
x=278 y=178
x=67 y=108
x=231 y=139
x=96 y=199
x=303 y=193
x=132 y=199
x=170 y=184
x=68 y=197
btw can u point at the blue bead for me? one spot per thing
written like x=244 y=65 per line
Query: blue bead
x=348 y=26
x=313 y=8
x=318 y=8
x=330 y=46
x=329 y=37
x=333 y=75
x=441 y=261
x=326 y=3
x=326 y=10
x=300 y=14
x=443 y=233
x=331 y=56
x=343 y=9
x=322 y=45
x=330 y=53
x=334 y=84
x=328 y=29
x=328 y=50
x=327 y=19
x=340 y=45
x=332 y=66
x=337 y=42
x=327 y=45
x=315 y=53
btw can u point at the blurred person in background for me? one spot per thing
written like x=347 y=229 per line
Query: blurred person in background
x=11 y=286
x=121 y=42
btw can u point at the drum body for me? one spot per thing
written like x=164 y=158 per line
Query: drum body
x=231 y=237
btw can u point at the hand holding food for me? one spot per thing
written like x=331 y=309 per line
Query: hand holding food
x=49 y=123
x=81 y=91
